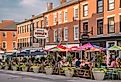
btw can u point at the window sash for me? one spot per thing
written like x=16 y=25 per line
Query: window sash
x=111 y=25
x=65 y=34
x=100 y=6
x=111 y=4
x=85 y=27
x=100 y=26
x=76 y=33
x=85 y=10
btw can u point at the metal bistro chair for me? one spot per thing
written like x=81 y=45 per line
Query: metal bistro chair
x=112 y=73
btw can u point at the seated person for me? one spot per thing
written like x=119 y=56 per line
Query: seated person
x=82 y=64
x=113 y=64
x=78 y=62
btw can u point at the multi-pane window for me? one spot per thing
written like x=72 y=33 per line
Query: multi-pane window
x=120 y=4
x=65 y=16
x=76 y=13
x=60 y=34
x=85 y=10
x=14 y=45
x=120 y=23
x=111 y=25
x=14 y=34
x=76 y=32
x=60 y=17
x=54 y=18
x=99 y=6
x=46 y=21
x=85 y=27
x=100 y=26
x=37 y=24
x=111 y=4
x=65 y=34
x=55 y=35
x=4 y=34
x=4 y=45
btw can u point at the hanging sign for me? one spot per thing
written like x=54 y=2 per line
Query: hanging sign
x=40 y=33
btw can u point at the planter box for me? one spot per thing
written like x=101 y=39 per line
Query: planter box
x=6 y=67
x=14 y=68
x=36 y=70
x=119 y=74
x=98 y=75
x=25 y=69
x=49 y=71
x=69 y=73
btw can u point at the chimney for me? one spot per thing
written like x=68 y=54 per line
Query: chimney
x=49 y=6
x=33 y=16
x=62 y=1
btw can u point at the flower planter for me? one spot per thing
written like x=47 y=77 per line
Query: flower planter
x=14 y=68
x=48 y=71
x=69 y=73
x=25 y=69
x=36 y=70
x=98 y=75
x=0 y=66
x=120 y=75
x=6 y=67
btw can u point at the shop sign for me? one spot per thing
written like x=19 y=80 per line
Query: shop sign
x=85 y=36
x=40 y=33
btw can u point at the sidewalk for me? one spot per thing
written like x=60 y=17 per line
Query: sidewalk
x=52 y=77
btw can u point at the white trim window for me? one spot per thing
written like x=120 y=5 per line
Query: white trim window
x=99 y=6
x=111 y=4
x=14 y=34
x=4 y=45
x=76 y=32
x=55 y=35
x=65 y=16
x=14 y=44
x=46 y=21
x=85 y=10
x=4 y=34
x=111 y=25
x=54 y=18
x=60 y=17
x=76 y=13
x=65 y=34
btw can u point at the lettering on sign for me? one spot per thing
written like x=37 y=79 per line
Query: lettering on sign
x=40 y=33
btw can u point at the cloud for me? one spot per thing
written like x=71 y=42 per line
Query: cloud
x=22 y=9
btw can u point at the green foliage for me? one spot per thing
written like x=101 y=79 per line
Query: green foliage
x=69 y=59
x=99 y=59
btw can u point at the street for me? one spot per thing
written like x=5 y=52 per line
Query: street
x=4 y=77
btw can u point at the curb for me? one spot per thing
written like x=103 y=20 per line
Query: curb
x=37 y=75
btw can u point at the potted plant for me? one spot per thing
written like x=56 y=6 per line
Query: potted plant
x=15 y=67
x=35 y=68
x=99 y=72
x=24 y=67
x=69 y=71
x=49 y=70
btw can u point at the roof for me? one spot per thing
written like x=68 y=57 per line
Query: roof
x=8 y=25
x=71 y=2
x=34 y=17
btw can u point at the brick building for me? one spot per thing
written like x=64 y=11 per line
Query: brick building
x=25 y=32
x=100 y=19
x=8 y=36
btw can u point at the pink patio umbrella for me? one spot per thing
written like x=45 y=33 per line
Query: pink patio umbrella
x=74 y=48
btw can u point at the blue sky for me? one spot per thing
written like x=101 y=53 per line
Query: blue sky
x=19 y=10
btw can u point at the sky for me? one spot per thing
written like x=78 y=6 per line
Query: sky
x=19 y=10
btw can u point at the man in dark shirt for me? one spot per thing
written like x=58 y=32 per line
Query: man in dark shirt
x=78 y=63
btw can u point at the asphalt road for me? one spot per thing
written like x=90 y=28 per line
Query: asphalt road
x=18 y=78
